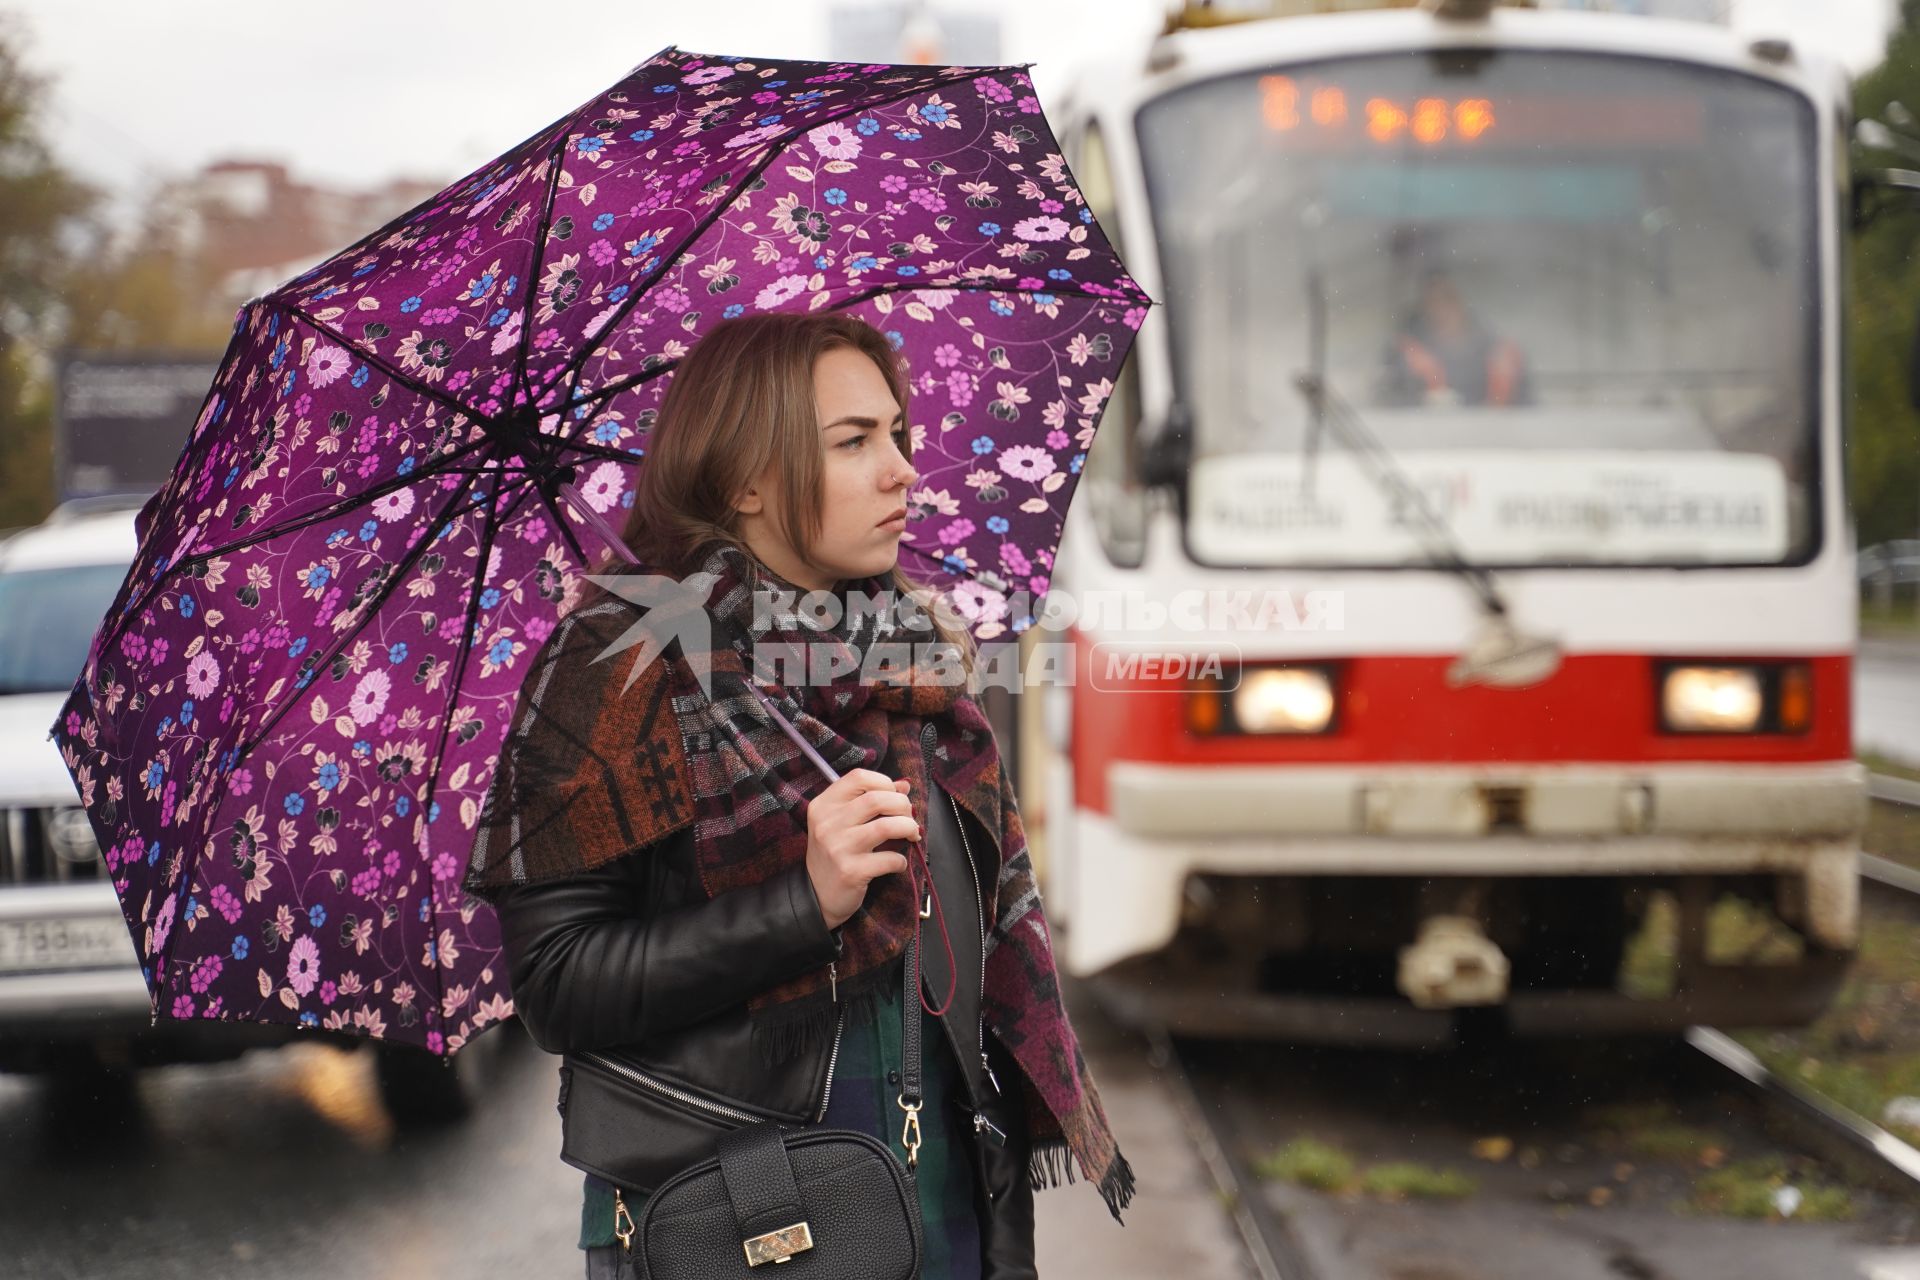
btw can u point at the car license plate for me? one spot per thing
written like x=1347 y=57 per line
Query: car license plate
x=61 y=943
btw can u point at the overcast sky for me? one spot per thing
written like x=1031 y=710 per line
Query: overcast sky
x=353 y=91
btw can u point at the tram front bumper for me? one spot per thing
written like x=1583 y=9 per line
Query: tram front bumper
x=1801 y=823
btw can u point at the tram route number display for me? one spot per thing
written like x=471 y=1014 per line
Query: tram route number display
x=1500 y=507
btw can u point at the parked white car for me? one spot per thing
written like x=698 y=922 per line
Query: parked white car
x=71 y=989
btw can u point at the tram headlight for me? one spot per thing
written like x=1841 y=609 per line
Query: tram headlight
x=1283 y=700
x=1713 y=699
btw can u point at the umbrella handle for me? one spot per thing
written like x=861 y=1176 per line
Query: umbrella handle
x=597 y=522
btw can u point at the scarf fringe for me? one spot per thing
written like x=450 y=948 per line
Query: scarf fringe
x=1051 y=1161
x=797 y=1027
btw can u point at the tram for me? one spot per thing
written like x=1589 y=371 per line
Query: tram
x=1502 y=347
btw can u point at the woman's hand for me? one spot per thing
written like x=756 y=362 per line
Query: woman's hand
x=845 y=825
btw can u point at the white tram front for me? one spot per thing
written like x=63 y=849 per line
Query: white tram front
x=1504 y=352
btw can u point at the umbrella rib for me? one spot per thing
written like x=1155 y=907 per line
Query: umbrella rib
x=281 y=530
x=372 y=607
x=427 y=539
x=489 y=526
x=346 y=503
x=380 y=362
x=627 y=384
x=539 y=261
x=571 y=368
x=565 y=527
x=404 y=217
x=925 y=286
x=599 y=450
x=244 y=751
x=941 y=562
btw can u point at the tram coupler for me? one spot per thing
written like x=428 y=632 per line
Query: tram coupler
x=1451 y=963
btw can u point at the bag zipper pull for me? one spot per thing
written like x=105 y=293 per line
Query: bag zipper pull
x=988 y=1067
x=981 y=1122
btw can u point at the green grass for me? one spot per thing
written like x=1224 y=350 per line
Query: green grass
x=1864 y=1051
x=1877 y=763
x=1900 y=621
x=1652 y=1131
x=1738 y=932
x=1308 y=1162
x=1404 y=1180
x=1750 y=1189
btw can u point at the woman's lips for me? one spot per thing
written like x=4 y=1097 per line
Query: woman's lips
x=896 y=525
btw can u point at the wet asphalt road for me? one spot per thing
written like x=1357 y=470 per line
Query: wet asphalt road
x=282 y=1163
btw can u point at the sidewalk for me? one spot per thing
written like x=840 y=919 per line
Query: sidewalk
x=1175 y=1226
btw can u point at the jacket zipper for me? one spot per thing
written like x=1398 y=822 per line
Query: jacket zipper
x=980 y=1121
x=979 y=915
x=826 y=1091
x=660 y=1086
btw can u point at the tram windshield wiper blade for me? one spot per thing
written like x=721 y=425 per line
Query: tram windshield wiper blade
x=1385 y=471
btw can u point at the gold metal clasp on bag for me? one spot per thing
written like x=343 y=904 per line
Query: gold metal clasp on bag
x=621 y=1216
x=910 y=1129
x=780 y=1245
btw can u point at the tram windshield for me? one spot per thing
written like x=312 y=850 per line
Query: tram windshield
x=1573 y=297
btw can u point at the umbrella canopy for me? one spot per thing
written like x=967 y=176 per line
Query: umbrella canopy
x=288 y=721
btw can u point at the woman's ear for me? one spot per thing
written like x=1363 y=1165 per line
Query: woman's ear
x=749 y=503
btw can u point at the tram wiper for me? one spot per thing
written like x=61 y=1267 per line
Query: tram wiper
x=1499 y=653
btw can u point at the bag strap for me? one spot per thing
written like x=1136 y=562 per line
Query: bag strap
x=910 y=1086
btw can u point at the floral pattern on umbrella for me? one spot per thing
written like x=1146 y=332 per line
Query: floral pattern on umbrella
x=288 y=720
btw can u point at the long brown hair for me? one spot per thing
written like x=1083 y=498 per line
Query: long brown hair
x=740 y=401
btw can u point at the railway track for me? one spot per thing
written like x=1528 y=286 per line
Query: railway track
x=1800 y=1117
x=1853 y=1141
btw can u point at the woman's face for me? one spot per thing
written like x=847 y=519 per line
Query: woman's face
x=865 y=479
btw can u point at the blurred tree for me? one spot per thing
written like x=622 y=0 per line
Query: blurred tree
x=43 y=210
x=1885 y=278
x=69 y=279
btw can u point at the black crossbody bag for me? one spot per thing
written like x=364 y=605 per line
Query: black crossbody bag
x=823 y=1202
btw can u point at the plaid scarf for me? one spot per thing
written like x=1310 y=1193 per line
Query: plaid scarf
x=592 y=770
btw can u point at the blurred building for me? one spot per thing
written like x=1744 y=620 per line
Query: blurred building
x=254 y=226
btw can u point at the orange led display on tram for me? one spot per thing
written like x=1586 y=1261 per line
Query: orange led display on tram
x=1428 y=121
x=1385 y=121
x=1280 y=102
x=1473 y=117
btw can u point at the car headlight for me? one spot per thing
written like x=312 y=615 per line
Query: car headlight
x=1283 y=700
x=71 y=835
x=1736 y=698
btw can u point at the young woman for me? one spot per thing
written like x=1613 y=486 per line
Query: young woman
x=675 y=878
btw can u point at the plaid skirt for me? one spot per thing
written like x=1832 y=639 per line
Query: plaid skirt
x=866 y=1080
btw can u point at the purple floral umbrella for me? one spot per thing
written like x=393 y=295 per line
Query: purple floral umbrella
x=288 y=721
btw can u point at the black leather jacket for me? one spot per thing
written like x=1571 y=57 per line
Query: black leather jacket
x=633 y=964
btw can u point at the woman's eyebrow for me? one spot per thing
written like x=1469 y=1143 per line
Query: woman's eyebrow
x=857 y=420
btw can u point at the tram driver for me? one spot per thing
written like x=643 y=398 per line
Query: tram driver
x=1444 y=354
